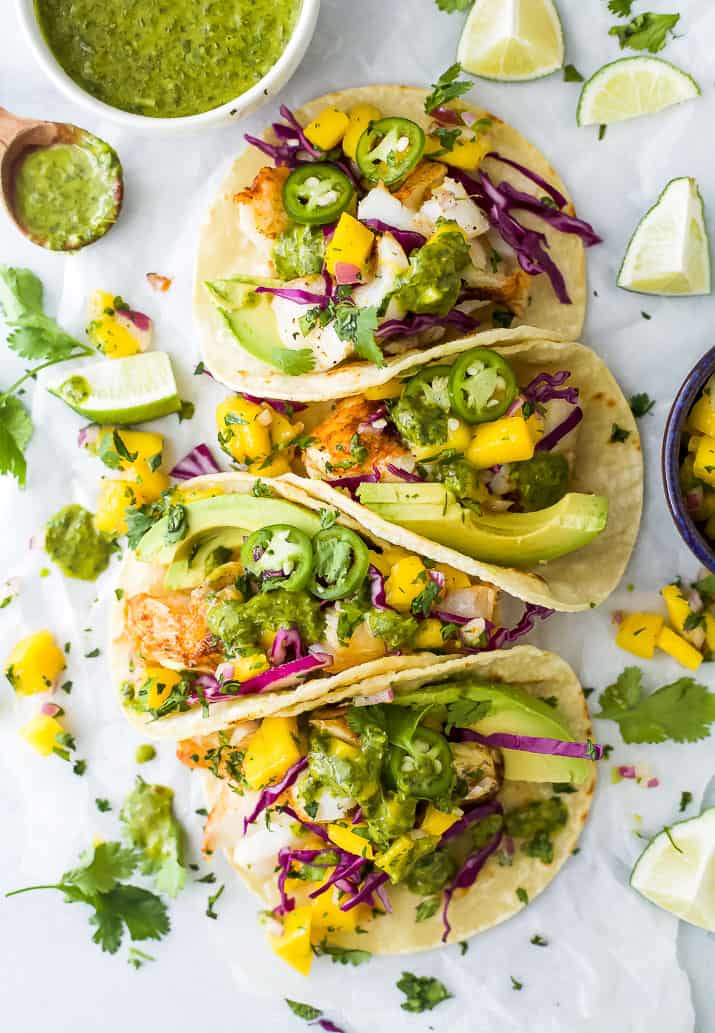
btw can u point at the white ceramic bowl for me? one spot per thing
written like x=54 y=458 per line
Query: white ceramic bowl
x=247 y=102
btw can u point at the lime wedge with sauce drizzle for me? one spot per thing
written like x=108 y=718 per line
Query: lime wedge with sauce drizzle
x=129 y=390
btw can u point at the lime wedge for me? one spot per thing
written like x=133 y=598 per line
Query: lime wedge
x=630 y=87
x=130 y=390
x=512 y=40
x=677 y=870
x=669 y=252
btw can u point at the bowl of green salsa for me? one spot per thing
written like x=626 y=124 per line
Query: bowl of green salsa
x=178 y=64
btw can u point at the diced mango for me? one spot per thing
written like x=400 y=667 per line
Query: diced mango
x=191 y=494
x=249 y=666
x=452 y=578
x=535 y=423
x=468 y=153
x=507 y=440
x=41 y=732
x=360 y=118
x=638 y=633
x=271 y=751
x=393 y=389
x=243 y=429
x=161 y=682
x=351 y=243
x=458 y=438
x=115 y=496
x=147 y=449
x=327 y=130
x=436 y=823
x=702 y=417
x=327 y=917
x=676 y=605
x=704 y=465
x=710 y=631
x=34 y=663
x=112 y=332
x=345 y=837
x=429 y=635
x=293 y=945
x=679 y=648
x=407 y=579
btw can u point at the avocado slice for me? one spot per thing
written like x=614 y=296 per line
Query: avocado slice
x=233 y=292
x=189 y=567
x=255 y=328
x=514 y=710
x=246 y=512
x=510 y=539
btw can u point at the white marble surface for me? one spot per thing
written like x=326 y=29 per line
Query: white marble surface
x=614 y=962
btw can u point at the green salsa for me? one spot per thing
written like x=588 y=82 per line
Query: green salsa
x=68 y=194
x=75 y=545
x=167 y=59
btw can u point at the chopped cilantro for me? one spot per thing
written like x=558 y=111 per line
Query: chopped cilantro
x=426 y=909
x=102 y=805
x=342 y=955
x=686 y=798
x=304 y=1011
x=619 y=434
x=646 y=31
x=515 y=984
x=422 y=993
x=210 y=912
x=522 y=895
x=539 y=941
x=447 y=88
x=572 y=74
x=641 y=405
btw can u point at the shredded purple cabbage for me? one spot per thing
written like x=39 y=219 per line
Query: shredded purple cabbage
x=404 y=475
x=467 y=876
x=415 y=324
x=450 y=618
x=565 y=427
x=377 y=588
x=353 y=483
x=557 y=196
x=530 y=744
x=284 y=408
x=327 y=1025
x=365 y=895
x=409 y=240
x=547 y=386
x=270 y=794
x=296 y=130
x=482 y=810
x=199 y=461
x=500 y=637
x=212 y=689
x=297 y=295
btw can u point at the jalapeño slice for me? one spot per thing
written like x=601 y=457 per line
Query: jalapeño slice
x=431 y=387
x=482 y=385
x=423 y=768
x=316 y=193
x=389 y=149
x=341 y=563
x=281 y=556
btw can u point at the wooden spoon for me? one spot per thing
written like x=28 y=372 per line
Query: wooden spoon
x=20 y=137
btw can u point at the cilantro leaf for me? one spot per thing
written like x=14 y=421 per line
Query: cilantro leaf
x=422 y=993
x=139 y=520
x=152 y=828
x=682 y=711
x=342 y=955
x=647 y=31
x=37 y=336
x=20 y=292
x=15 y=432
x=622 y=8
x=426 y=909
x=572 y=74
x=465 y=712
x=641 y=404
x=619 y=434
x=358 y=325
x=143 y=913
x=447 y=88
x=102 y=867
x=304 y=1011
x=450 y=6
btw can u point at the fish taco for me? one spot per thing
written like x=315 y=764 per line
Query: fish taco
x=518 y=462
x=244 y=596
x=369 y=227
x=408 y=817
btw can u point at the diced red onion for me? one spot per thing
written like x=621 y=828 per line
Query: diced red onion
x=270 y=794
x=450 y=618
x=530 y=744
x=224 y=673
x=276 y=403
x=51 y=709
x=694 y=499
x=358 y=816
x=553 y=437
x=347 y=273
x=377 y=588
x=328 y=1025
x=515 y=406
x=446 y=116
x=141 y=321
x=286 y=639
x=197 y=462
x=409 y=240
x=652 y=783
x=626 y=770
x=88 y=435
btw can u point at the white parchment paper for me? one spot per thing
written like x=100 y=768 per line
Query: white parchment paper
x=613 y=961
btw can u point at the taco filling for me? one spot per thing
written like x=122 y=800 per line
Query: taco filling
x=373 y=235
x=410 y=792
x=255 y=593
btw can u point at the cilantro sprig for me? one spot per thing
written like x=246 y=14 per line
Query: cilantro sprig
x=34 y=336
x=117 y=906
x=448 y=87
x=682 y=711
x=646 y=31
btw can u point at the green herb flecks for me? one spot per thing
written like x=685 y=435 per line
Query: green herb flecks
x=422 y=993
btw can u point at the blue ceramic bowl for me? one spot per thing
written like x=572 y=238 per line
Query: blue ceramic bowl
x=684 y=400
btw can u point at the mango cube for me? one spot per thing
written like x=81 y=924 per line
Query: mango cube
x=710 y=631
x=34 y=663
x=638 y=633
x=351 y=244
x=458 y=437
x=507 y=440
x=327 y=130
x=467 y=153
x=115 y=496
x=408 y=578
x=679 y=648
x=393 y=389
x=271 y=751
x=249 y=666
x=147 y=449
x=676 y=605
x=117 y=332
x=704 y=465
x=702 y=417
x=293 y=945
x=327 y=917
x=429 y=635
x=161 y=682
x=360 y=118
x=41 y=733
x=345 y=837
x=436 y=823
